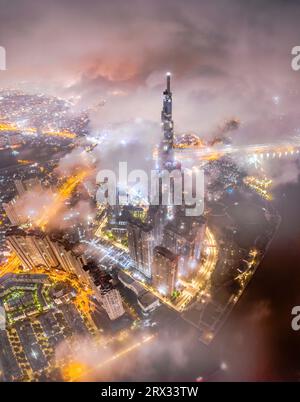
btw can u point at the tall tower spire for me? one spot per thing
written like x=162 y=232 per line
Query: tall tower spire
x=167 y=153
x=168 y=75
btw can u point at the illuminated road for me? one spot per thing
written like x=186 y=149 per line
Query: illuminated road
x=261 y=186
x=269 y=151
x=11 y=127
x=105 y=251
x=11 y=266
x=201 y=282
x=79 y=373
x=63 y=193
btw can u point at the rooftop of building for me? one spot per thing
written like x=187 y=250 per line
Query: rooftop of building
x=165 y=253
x=147 y=298
x=131 y=283
x=185 y=226
x=104 y=282
x=55 y=236
x=125 y=278
x=17 y=231
x=146 y=227
x=11 y=278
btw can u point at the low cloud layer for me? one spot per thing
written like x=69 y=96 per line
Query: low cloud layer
x=227 y=60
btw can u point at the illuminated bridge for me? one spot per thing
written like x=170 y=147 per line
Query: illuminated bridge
x=268 y=151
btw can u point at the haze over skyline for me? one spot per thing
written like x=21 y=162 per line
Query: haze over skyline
x=228 y=59
x=230 y=64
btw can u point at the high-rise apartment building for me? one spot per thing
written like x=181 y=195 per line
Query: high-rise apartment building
x=37 y=249
x=164 y=270
x=141 y=241
x=110 y=297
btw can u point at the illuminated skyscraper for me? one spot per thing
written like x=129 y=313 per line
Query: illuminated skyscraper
x=110 y=297
x=20 y=187
x=185 y=236
x=12 y=213
x=33 y=248
x=164 y=270
x=37 y=249
x=69 y=261
x=141 y=242
x=112 y=303
x=166 y=146
x=166 y=159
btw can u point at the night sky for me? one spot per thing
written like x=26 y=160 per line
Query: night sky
x=227 y=58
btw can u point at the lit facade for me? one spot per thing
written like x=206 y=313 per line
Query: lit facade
x=141 y=242
x=38 y=249
x=164 y=270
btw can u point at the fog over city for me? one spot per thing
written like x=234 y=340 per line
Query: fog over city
x=228 y=60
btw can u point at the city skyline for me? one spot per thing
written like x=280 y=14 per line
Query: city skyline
x=184 y=264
